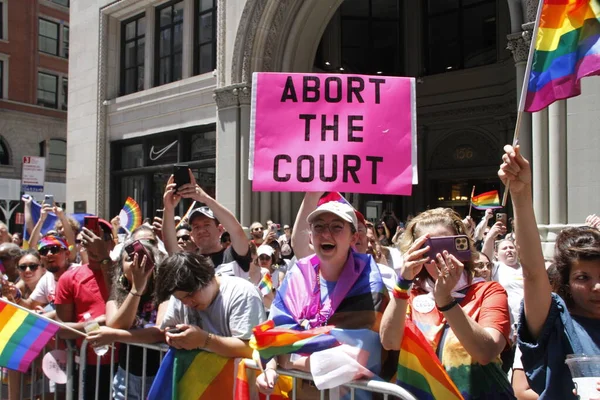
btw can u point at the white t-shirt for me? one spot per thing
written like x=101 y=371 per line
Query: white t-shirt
x=511 y=280
x=388 y=276
x=45 y=290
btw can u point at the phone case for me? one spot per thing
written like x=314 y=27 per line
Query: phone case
x=181 y=175
x=458 y=246
x=138 y=247
x=91 y=223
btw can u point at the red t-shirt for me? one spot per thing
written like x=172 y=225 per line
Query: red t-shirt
x=86 y=290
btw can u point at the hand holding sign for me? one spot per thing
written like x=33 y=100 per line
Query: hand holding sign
x=332 y=132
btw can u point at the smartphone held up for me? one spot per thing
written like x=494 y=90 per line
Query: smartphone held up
x=137 y=247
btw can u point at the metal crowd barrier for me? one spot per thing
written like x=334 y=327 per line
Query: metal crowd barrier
x=40 y=387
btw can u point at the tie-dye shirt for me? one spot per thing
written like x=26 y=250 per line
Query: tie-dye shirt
x=484 y=302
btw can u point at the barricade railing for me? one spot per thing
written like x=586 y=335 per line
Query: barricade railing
x=39 y=386
x=373 y=386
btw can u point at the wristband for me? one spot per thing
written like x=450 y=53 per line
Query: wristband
x=404 y=283
x=135 y=294
x=447 y=307
x=207 y=341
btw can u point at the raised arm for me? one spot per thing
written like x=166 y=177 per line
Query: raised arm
x=300 y=237
x=536 y=285
x=37 y=229
x=69 y=233
x=170 y=201
x=480 y=228
x=27 y=199
x=490 y=240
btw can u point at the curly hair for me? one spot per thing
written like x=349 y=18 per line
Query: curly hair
x=121 y=285
x=445 y=217
x=183 y=271
x=573 y=244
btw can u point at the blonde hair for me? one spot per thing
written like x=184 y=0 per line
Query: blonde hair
x=445 y=217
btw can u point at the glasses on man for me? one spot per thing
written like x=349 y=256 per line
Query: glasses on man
x=32 y=267
x=185 y=238
x=258 y=228
x=335 y=227
x=50 y=249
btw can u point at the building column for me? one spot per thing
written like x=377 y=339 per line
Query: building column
x=149 y=47
x=540 y=165
x=187 y=58
x=557 y=171
x=245 y=186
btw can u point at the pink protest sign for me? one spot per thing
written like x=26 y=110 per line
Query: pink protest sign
x=322 y=132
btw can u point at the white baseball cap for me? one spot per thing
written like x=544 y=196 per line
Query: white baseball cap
x=265 y=249
x=342 y=210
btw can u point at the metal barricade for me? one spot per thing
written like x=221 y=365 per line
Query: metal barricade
x=40 y=386
x=385 y=388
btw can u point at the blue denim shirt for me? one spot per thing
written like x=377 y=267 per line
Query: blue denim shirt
x=544 y=358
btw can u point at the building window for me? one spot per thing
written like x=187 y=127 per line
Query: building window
x=65 y=93
x=206 y=37
x=64 y=3
x=4 y=155
x=133 y=39
x=47 y=90
x=48 y=36
x=65 y=42
x=55 y=151
x=169 y=43
x=461 y=34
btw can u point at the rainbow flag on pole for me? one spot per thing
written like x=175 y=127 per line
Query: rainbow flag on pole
x=486 y=200
x=266 y=284
x=567 y=48
x=420 y=371
x=23 y=335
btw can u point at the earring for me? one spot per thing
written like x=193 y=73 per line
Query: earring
x=124 y=282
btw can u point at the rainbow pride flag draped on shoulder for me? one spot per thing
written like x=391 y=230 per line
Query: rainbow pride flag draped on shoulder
x=567 y=48
x=420 y=371
x=23 y=335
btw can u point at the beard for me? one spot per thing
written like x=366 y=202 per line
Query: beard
x=53 y=268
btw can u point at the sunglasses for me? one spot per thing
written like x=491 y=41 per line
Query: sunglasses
x=185 y=238
x=258 y=229
x=54 y=249
x=32 y=267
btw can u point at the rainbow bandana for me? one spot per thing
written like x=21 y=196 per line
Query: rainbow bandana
x=51 y=240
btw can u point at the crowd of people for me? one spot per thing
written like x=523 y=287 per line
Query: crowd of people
x=500 y=318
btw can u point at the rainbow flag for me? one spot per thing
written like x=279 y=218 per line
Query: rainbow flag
x=420 y=371
x=486 y=200
x=567 y=48
x=271 y=341
x=245 y=379
x=266 y=284
x=23 y=335
x=131 y=215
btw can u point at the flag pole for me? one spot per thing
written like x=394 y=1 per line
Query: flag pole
x=471 y=200
x=186 y=215
x=524 y=86
x=59 y=324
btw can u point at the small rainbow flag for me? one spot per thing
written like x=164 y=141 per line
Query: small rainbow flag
x=271 y=341
x=486 y=200
x=420 y=371
x=23 y=335
x=567 y=48
x=130 y=215
x=266 y=284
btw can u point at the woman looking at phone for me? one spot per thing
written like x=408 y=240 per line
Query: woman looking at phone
x=131 y=317
x=465 y=319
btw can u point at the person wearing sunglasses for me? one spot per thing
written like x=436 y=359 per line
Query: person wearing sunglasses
x=184 y=238
x=54 y=257
x=30 y=272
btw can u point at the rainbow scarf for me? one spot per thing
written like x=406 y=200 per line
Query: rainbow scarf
x=266 y=284
x=486 y=200
x=567 y=48
x=52 y=240
x=22 y=336
x=420 y=371
x=131 y=215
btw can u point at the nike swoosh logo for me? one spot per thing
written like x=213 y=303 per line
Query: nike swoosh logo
x=155 y=155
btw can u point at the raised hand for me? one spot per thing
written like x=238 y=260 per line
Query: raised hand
x=449 y=272
x=414 y=259
x=171 y=198
x=515 y=169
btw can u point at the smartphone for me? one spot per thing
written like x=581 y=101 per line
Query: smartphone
x=91 y=222
x=502 y=217
x=275 y=227
x=174 y=330
x=458 y=246
x=138 y=248
x=181 y=174
x=159 y=213
x=49 y=199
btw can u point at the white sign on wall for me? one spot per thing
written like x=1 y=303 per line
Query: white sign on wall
x=33 y=174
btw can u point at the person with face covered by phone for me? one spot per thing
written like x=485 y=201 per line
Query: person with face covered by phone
x=131 y=315
x=208 y=223
x=465 y=319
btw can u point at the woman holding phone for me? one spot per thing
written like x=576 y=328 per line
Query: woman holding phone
x=131 y=317
x=464 y=319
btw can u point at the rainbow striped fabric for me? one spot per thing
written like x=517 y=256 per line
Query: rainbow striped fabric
x=567 y=48
x=486 y=200
x=266 y=284
x=22 y=336
x=246 y=377
x=420 y=371
x=130 y=215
